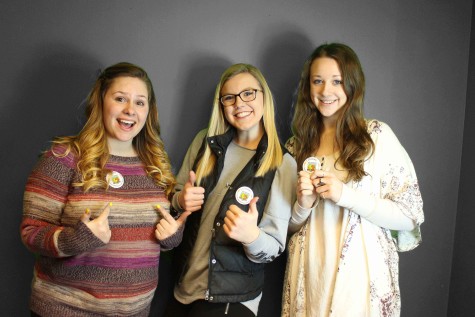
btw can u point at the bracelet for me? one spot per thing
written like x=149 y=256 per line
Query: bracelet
x=178 y=200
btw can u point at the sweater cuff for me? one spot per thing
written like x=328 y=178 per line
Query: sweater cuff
x=77 y=239
x=173 y=240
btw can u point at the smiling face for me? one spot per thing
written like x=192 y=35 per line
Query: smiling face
x=125 y=110
x=245 y=116
x=326 y=87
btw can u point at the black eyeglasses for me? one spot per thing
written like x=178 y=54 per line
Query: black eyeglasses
x=245 y=95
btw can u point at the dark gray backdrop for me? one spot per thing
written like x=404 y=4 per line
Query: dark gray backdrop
x=415 y=55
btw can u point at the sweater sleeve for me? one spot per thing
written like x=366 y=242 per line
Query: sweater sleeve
x=397 y=203
x=275 y=220
x=45 y=196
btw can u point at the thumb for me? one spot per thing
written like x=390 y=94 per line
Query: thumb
x=192 y=178
x=252 y=206
x=182 y=219
x=86 y=216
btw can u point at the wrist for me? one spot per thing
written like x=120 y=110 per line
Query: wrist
x=255 y=235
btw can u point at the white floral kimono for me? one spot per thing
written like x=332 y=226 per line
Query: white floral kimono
x=340 y=263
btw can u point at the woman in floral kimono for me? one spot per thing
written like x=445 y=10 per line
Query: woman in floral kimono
x=358 y=197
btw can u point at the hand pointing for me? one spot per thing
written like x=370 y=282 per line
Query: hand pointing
x=100 y=225
x=167 y=226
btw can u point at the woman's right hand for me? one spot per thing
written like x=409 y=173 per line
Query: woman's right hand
x=100 y=225
x=191 y=198
x=306 y=194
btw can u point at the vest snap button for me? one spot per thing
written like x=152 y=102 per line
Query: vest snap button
x=213 y=261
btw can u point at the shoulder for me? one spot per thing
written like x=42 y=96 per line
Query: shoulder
x=200 y=136
x=379 y=130
x=288 y=163
x=198 y=139
x=62 y=155
x=289 y=145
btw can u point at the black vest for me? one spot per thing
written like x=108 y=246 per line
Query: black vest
x=232 y=276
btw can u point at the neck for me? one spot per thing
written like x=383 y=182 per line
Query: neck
x=119 y=148
x=327 y=140
x=249 y=139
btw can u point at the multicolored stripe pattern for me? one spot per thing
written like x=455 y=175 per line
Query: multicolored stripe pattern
x=114 y=279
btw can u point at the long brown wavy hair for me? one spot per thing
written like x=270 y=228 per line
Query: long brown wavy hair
x=90 y=145
x=218 y=124
x=352 y=138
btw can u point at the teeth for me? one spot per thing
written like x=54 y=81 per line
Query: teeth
x=242 y=114
x=126 y=121
x=327 y=102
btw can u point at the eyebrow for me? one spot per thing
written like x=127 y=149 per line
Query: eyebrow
x=321 y=76
x=126 y=93
x=245 y=89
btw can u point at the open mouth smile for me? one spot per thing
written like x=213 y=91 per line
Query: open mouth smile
x=127 y=124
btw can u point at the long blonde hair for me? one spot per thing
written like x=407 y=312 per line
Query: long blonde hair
x=352 y=138
x=90 y=145
x=219 y=125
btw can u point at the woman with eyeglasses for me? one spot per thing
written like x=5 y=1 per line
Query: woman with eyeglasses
x=238 y=182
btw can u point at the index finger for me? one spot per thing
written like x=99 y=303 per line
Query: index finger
x=105 y=212
x=166 y=215
x=304 y=174
x=234 y=209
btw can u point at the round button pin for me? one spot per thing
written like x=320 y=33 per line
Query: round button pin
x=116 y=180
x=311 y=164
x=244 y=195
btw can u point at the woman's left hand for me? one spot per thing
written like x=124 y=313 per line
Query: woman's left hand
x=168 y=226
x=240 y=225
x=327 y=185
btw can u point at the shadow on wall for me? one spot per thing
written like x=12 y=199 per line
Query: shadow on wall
x=281 y=62
x=46 y=101
x=201 y=74
x=285 y=50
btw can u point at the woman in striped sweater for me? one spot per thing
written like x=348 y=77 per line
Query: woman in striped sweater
x=96 y=206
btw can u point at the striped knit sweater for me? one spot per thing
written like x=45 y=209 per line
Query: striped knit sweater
x=79 y=275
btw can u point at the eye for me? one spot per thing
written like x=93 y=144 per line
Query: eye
x=317 y=81
x=336 y=82
x=120 y=99
x=227 y=98
x=141 y=103
x=247 y=93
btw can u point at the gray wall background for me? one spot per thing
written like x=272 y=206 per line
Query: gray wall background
x=416 y=59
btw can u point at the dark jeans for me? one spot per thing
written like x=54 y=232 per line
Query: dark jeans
x=33 y=314
x=202 y=308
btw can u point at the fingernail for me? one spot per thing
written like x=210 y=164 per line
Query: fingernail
x=88 y=211
x=110 y=204
x=157 y=206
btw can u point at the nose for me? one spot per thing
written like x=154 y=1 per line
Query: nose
x=325 y=88
x=238 y=102
x=129 y=109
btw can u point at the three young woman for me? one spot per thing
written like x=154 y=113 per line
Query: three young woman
x=92 y=203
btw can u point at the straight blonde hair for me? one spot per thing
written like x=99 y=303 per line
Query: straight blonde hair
x=219 y=125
